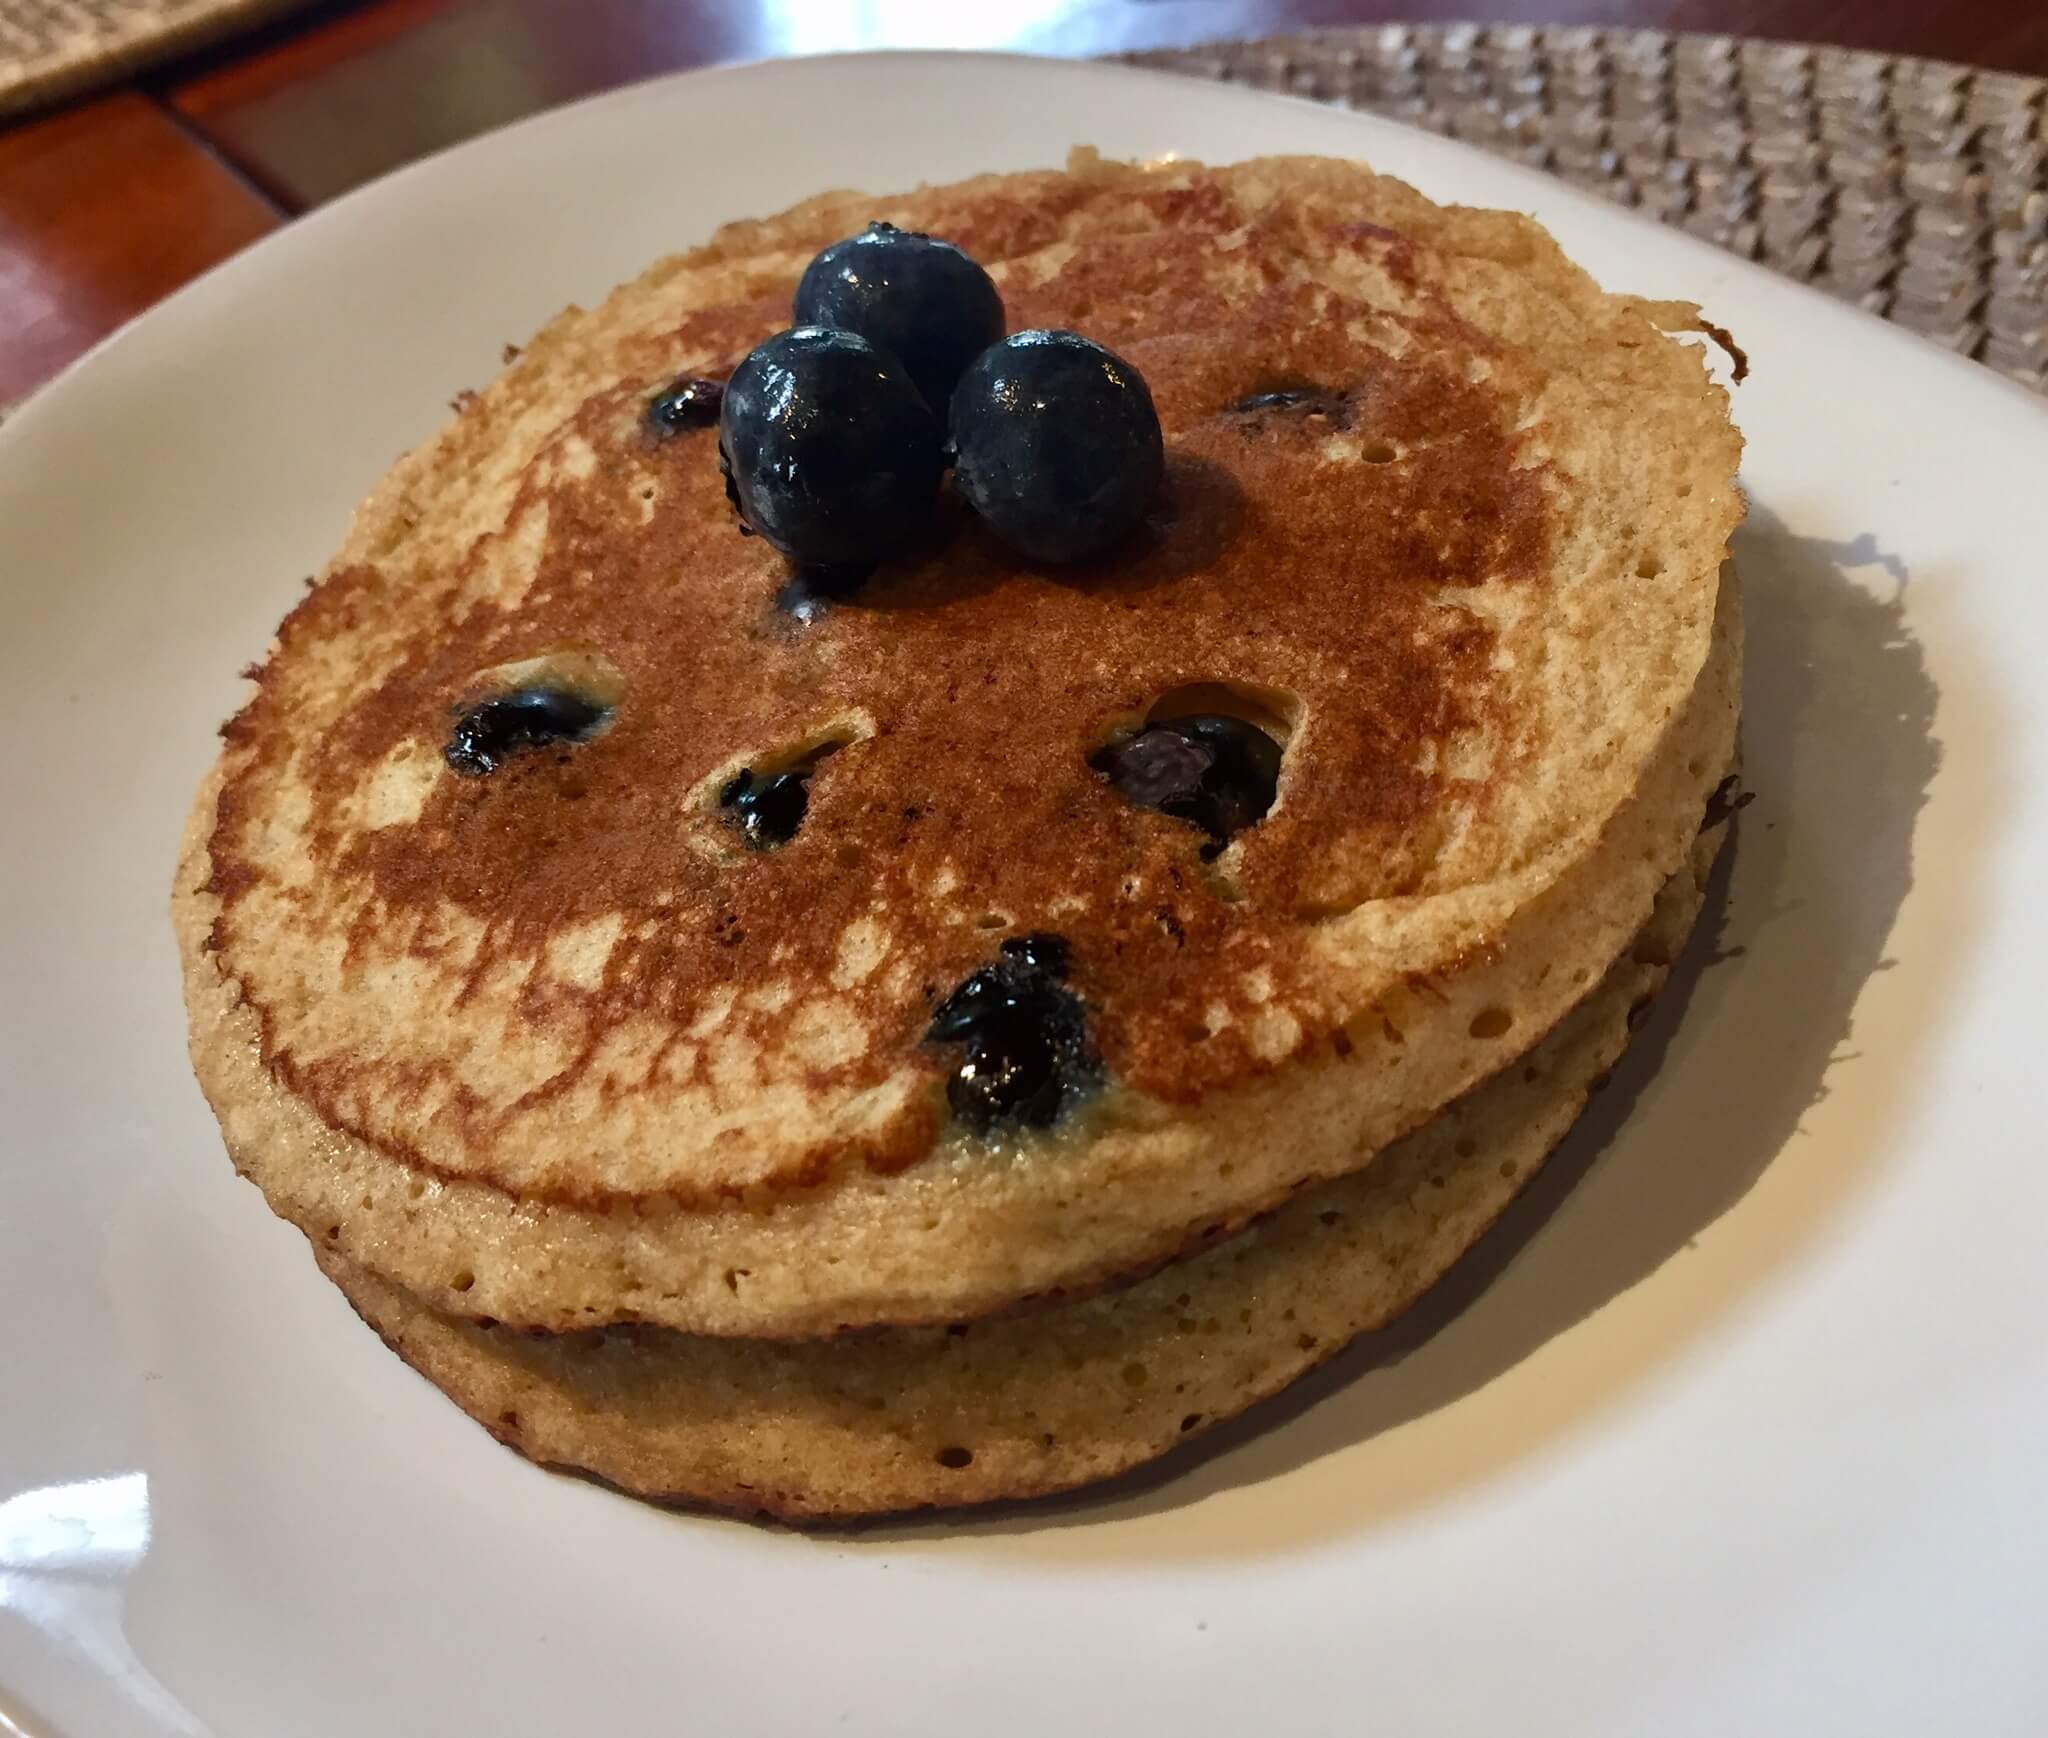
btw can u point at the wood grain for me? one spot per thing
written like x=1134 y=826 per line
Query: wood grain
x=105 y=208
x=109 y=206
x=349 y=97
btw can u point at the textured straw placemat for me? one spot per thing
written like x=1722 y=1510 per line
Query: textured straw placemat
x=57 y=48
x=1913 y=188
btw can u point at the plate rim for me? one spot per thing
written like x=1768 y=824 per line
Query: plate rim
x=379 y=187
x=639 y=89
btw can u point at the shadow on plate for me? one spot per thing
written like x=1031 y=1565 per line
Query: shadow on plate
x=1840 y=751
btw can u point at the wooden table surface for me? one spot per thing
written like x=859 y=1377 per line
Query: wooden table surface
x=113 y=202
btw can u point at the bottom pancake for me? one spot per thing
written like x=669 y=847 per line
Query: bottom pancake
x=884 y=1420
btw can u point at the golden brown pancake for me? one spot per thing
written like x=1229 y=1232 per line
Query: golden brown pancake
x=573 y=1055
x=893 y=1419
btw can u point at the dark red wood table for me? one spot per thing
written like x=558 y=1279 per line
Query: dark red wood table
x=113 y=202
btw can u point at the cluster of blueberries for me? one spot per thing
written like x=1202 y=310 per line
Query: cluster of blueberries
x=835 y=435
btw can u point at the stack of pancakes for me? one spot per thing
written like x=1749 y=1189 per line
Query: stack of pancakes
x=631 y=1138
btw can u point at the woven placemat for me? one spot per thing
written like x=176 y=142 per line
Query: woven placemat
x=1914 y=188
x=57 y=48
x=1917 y=189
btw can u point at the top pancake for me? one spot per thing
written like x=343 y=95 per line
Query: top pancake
x=1480 y=589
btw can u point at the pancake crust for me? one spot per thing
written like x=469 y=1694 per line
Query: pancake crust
x=895 y=1419
x=580 y=1058
x=470 y=1249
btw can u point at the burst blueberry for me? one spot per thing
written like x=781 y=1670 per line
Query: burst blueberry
x=767 y=808
x=1312 y=401
x=913 y=296
x=829 y=451
x=1219 y=772
x=1027 y=1051
x=689 y=401
x=1041 y=952
x=493 y=730
x=1057 y=445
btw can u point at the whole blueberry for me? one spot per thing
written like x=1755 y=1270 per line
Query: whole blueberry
x=1058 y=445
x=828 y=449
x=918 y=298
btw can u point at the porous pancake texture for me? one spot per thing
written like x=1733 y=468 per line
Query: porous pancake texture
x=891 y=1419
x=551 y=1047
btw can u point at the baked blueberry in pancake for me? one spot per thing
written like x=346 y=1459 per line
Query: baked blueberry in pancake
x=889 y=1419
x=937 y=903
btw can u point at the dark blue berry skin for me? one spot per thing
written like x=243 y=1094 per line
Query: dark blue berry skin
x=506 y=724
x=1219 y=772
x=920 y=299
x=1057 y=445
x=767 y=808
x=1028 y=1055
x=1307 y=400
x=828 y=449
x=689 y=401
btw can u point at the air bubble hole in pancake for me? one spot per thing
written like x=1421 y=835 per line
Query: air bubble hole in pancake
x=766 y=798
x=1207 y=752
x=562 y=696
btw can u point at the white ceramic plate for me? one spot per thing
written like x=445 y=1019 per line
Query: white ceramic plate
x=1743 y=1431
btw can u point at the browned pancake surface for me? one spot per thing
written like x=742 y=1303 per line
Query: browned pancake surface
x=988 y=683
x=1476 y=574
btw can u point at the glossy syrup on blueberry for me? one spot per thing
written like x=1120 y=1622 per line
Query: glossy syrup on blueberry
x=492 y=731
x=1218 y=772
x=1027 y=1052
